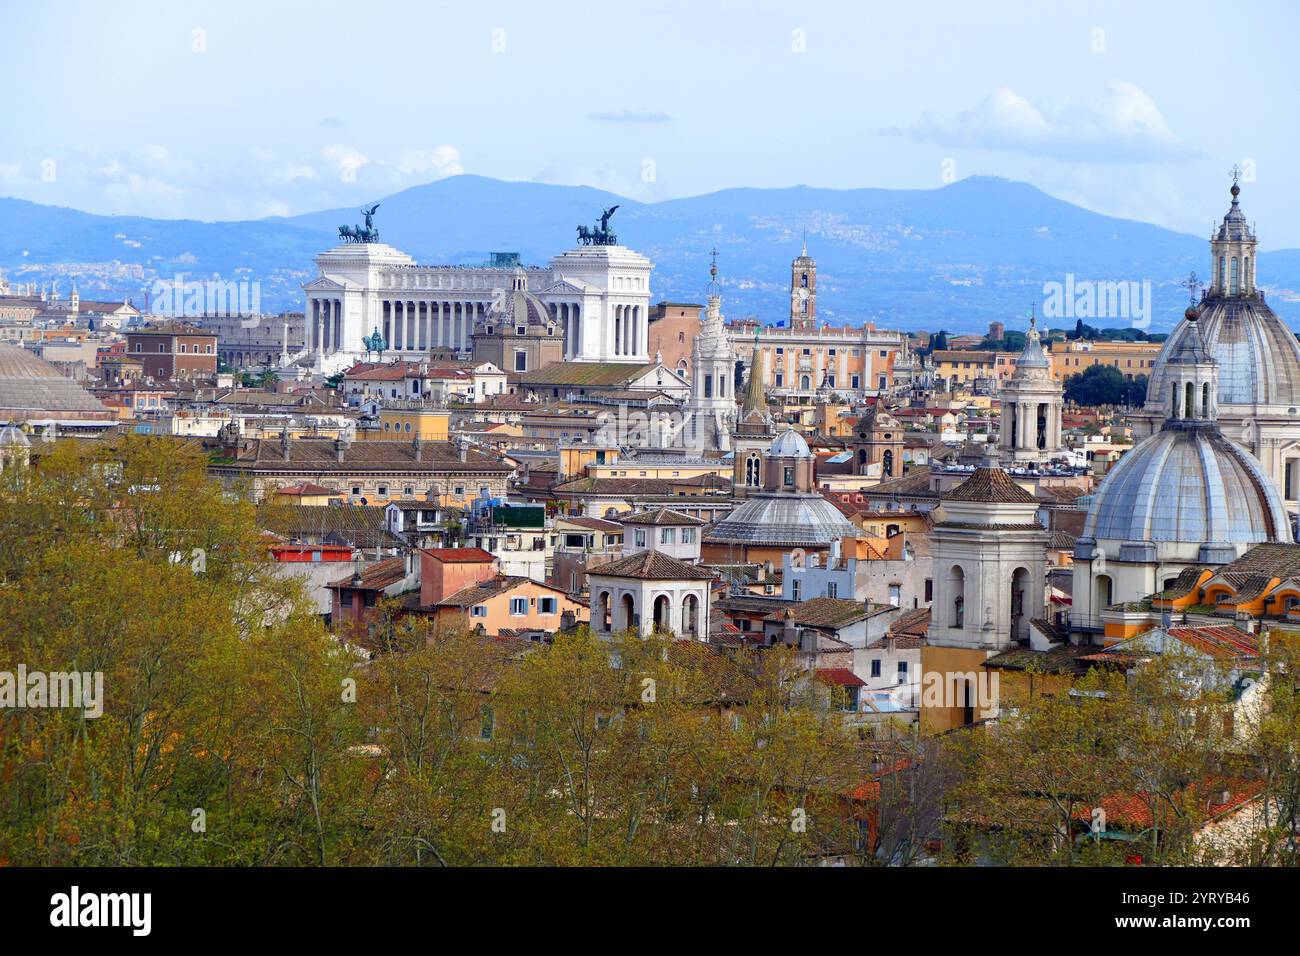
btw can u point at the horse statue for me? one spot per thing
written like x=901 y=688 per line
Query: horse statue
x=366 y=233
x=374 y=343
x=600 y=235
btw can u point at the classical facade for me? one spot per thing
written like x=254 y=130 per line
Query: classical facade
x=1032 y=401
x=1258 y=357
x=805 y=361
x=598 y=297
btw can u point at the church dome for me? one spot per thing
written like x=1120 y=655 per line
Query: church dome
x=31 y=388
x=1187 y=484
x=782 y=520
x=516 y=307
x=789 y=444
x=11 y=436
x=1258 y=356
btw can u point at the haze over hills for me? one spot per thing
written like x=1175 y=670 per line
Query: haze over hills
x=955 y=257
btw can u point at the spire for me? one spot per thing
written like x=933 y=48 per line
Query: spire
x=804 y=253
x=755 y=399
x=712 y=324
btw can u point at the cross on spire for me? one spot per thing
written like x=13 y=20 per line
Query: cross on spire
x=1236 y=173
x=1192 y=284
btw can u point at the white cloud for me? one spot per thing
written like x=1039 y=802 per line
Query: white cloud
x=348 y=160
x=1122 y=124
x=440 y=161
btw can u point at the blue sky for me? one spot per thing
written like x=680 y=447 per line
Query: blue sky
x=234 y=109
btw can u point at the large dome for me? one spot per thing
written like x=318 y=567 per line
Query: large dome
x=1258 y=356
x=33 y=389
x=782 y=520
x=1187 y=484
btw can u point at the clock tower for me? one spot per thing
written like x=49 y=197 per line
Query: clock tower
x=803 y=291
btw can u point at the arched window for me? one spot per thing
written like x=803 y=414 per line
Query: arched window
x=1223 y=273
x=957 y=585
x=690 y=614
x=1189 y=408
x=888 y=463
x=1205 y=400
x=1234 y=280
x=1173 y=400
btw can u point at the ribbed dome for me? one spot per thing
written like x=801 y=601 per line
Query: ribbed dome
x=31 y=388
x=782 y=520
x=19 y=363
x=1259 y=358
x=11 y=436
x=789 y=444
x=518 y=307
x=1188 y=484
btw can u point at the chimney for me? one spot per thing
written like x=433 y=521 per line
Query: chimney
x=340 y=446
x=286 y=444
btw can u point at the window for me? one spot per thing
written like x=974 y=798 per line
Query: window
x=521 y=361
x=667 y=535
x=832 y=589
x=547 y=605
x=478 y=610
x=794 y=589
x=382 y=491
x=345 y=598
x=688 y=536
x=902 y=672
x=640 y=537
x=356 y=489
x=518 y=606
x=857 y=381
x=896 y=594
x=875 y=667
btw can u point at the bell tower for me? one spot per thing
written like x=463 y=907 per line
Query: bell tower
x=803 y=291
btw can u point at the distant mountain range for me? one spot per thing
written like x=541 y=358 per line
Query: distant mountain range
x=955 y=257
